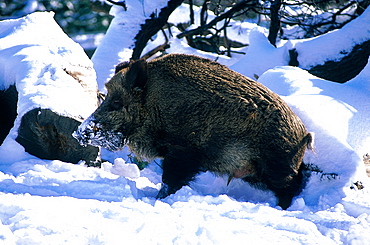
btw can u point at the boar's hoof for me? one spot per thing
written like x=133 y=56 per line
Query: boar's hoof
x=285 y=202
x=165 y=191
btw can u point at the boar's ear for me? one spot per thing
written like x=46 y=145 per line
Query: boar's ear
x=121 y=66
x=137 y=75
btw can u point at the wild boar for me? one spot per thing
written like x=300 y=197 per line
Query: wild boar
x=198 y=115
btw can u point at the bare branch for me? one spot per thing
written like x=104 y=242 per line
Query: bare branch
x=237 y=7
x=120 y=3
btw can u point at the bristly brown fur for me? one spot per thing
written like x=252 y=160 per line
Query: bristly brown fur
x=199 y=115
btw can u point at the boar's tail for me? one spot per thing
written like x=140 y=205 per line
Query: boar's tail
x=298 y=153
x=309 y=141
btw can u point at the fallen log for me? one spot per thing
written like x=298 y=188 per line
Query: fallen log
x=347 y=67
x=336 y=56
x=341 y=70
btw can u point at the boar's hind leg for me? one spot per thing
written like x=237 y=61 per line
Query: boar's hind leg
x=180 y=166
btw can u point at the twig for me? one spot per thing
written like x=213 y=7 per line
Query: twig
x=121 y=3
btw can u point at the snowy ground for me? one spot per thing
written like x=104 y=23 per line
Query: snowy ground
x=53 y=202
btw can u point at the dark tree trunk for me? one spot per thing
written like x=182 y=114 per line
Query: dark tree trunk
x=191 y=12
x=274 y=22
x=8 y=110
x=152 y=26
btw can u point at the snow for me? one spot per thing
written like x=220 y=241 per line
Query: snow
x=54 y=202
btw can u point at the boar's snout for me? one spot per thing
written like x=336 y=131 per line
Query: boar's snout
x=91 y=132
x=86 y=131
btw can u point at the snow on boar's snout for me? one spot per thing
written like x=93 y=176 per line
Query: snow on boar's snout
x=110 y=124
x=199 y=115
x=91 y=132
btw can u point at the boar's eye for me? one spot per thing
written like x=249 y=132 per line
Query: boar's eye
x=116 y=104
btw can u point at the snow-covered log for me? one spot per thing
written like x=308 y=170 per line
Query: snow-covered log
x=339 y=55
x=345 y=68
x=338 y=51
x=152 y=26
x=55 y=87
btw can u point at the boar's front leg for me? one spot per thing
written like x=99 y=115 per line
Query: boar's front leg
x=180 y=166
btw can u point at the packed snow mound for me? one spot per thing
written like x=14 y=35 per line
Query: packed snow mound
x=340 y=110
x=336 y=115
x=39 y=199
